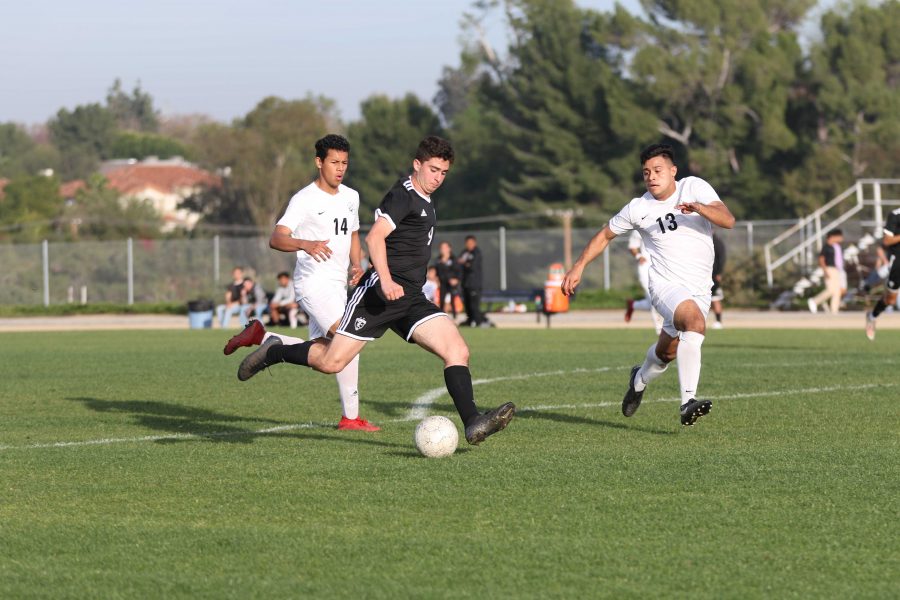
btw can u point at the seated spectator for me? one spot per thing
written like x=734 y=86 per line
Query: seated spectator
x=234 y=298
x=284 y=302
x=254 y=300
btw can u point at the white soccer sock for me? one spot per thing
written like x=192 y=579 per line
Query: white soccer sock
x=285 y=339
x=347 y=381
x=688 y=356
x=292 y=318
x=652 y=368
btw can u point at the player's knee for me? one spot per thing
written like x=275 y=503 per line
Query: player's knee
x=457 y=355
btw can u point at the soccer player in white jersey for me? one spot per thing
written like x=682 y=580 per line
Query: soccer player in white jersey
x=637 y=250
x=674 y=219
x=321 y=224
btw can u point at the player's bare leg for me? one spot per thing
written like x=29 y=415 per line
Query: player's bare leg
x=441 y=337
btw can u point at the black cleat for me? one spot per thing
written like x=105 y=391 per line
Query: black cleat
x=632 y=399
x=693 y=410
x=256 y=361
x=489 y=423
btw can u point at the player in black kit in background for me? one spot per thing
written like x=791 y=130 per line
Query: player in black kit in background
x=389 y=296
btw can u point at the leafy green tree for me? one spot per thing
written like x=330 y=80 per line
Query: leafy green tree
x=568 y=121
x=30 y=206
x=719 y=76
x=133 y=112
x=21 y=155
x=132 y=144
x=383 y=142
x=83 y=136
x=851 y=101
x=269 y=154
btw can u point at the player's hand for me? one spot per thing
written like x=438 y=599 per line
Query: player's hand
x=687 y=208
x=356 y=274
x=319 y=250
x=391 y=290
x=571 y=281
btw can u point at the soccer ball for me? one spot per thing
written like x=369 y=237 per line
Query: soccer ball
x=436 y=437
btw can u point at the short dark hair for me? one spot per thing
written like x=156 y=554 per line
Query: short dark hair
x=654 y=150
x=833 y=233
x=471 y=237
x=332 y=141
x=434 y=147
x=283 y=274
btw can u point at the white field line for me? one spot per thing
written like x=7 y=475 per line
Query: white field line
x=538 y=408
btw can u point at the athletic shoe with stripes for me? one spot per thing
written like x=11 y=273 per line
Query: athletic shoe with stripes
x=693 y=410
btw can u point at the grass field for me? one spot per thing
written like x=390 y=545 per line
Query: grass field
x=135 y=465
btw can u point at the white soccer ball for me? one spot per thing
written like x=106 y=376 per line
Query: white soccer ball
x=436 y=437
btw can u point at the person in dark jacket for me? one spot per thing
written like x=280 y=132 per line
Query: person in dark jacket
x=471 y=262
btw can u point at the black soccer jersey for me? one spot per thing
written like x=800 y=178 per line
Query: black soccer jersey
x=409 y=244
x=892 y=227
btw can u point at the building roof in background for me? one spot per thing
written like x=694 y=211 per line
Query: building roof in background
x=164 y=177
x=70 y=188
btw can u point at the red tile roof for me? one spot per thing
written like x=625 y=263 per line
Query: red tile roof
x=133 y=179
x=70 y=188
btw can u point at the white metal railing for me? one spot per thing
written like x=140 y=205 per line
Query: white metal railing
x=812 y=229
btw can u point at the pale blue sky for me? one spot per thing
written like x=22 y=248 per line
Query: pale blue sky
x=221 y=57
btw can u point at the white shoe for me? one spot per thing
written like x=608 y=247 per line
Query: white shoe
x=812 y=306
x=870 y=326
x=717 y=325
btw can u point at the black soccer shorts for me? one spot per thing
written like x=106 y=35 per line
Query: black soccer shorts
x=368 y=314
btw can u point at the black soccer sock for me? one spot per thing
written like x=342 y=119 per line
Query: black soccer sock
x=297 y=354
x=459 y=384
x=879 y=307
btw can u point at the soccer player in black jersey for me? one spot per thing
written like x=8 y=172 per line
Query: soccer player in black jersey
x=891 y=242
x=389 y=296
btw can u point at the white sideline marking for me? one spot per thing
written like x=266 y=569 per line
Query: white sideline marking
x=410 y=416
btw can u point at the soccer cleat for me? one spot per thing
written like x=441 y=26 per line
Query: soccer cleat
x=870 y=326
x=257 y=360
x=252 y=335
x=629 y=310
x=489 y=423
x=693 y=410
x=811 y=304
x=632 y=399
x=356 y=424
x=717 y=325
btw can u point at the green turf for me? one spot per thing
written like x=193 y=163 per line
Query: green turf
x=199 y=486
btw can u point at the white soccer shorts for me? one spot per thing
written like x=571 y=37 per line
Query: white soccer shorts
x=666 y=297
x=324 y=304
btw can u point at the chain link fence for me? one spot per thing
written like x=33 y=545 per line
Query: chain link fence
x=153 y=271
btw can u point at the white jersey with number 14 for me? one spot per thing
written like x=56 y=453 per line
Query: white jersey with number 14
x=315 y=215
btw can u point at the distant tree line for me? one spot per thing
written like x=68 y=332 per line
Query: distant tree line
x=553 y=121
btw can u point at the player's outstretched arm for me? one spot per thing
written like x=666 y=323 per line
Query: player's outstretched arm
x=281 y=240
x=714 y=212
x=375 y=241
x=593 y=249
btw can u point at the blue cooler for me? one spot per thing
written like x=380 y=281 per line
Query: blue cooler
x=200 y=314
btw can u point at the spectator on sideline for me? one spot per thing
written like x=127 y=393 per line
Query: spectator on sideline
x=254 y=300
x=831 y=261
x=432 y=287
x=448 y=272
x=234 y=298
x=471 y=262
x=284 y=301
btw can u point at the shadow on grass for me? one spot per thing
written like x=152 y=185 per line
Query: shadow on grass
x=563 y=418
x=202 y=424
